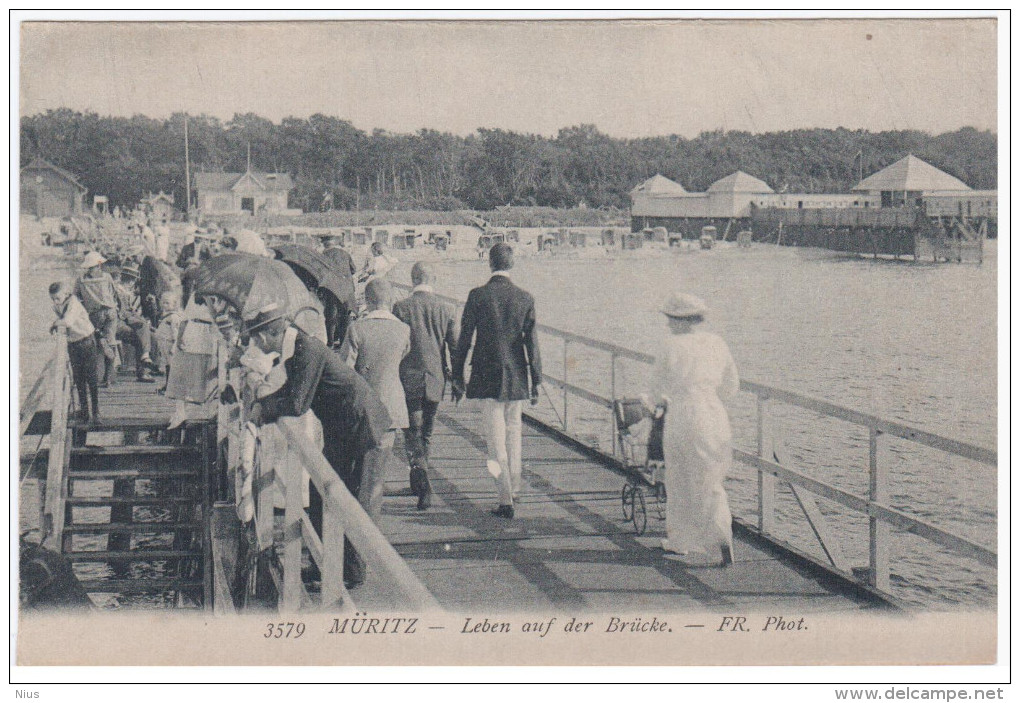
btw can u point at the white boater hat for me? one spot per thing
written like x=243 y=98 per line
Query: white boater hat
x=93 y=258
x=683 y=305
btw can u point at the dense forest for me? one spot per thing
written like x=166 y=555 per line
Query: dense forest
x=331 y=160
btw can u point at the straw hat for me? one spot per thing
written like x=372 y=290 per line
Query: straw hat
x=683 y=305
x=93 y=258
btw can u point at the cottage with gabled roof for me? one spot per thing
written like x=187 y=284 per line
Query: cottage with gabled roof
x=158 y=207
x=251 y=192
x=50 y=191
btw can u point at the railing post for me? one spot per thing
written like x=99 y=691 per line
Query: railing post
x=332 y=553
x=612 y=399
x=53 y=506
x=566 y=373
x=290 y=600
x=878 y=531
x=766 y=482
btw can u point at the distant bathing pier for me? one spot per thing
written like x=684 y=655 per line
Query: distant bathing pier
x=908 y=209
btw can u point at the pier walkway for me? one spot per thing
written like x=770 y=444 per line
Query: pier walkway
x=568 y=547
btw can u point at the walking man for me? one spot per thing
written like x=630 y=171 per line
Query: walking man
x=424 y=371
x=500 y=317
x=374 y=347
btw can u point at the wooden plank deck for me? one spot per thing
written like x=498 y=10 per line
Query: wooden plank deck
x=128 y=402
x=568 y=548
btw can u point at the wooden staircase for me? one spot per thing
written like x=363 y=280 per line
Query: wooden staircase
x=136 y=513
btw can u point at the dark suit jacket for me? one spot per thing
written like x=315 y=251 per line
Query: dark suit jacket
x=341 y=258
x=433 y=324
x=501 y=318
x=338 y=313
x=352 y=416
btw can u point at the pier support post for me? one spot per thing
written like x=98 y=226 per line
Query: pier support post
x=290 y=596
x=612 y=399
x=766 y=482
x=566 y=373
x=878 y=531
x=332 y=571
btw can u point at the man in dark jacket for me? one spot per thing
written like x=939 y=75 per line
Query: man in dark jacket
x=338 y=312
x=352 y=416
x=424 y=371
x=501 y=319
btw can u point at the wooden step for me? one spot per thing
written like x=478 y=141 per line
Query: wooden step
x=151 y=461
x=104 y=501
x=139 y=450
x=135 y=586
x=168 y=474
x=113 y=424
x=135 y=555
x=101 y=528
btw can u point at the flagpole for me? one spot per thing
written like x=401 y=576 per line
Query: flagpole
x=187 y=173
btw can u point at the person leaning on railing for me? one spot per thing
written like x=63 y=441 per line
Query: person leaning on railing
x=354 y=419
x=82 y=350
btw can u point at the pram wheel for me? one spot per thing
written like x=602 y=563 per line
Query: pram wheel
x=638 y=513
x=627 y=500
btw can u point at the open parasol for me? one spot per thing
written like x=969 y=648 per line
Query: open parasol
x=323 y=271
x=251 y=283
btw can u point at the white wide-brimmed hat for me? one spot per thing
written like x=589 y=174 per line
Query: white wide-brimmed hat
x=93 y=258
x=683 y=305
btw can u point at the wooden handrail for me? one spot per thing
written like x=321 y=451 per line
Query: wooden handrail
x=858 y=504
x=53 y=507
x=344 y=511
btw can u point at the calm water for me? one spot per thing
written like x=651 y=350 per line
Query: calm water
x=906 y=341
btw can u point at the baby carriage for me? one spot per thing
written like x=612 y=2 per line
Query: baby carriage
x=644 y=461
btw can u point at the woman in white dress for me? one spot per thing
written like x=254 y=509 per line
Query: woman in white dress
x=694 y=374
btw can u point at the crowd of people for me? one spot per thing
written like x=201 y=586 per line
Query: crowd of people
x=357 y=375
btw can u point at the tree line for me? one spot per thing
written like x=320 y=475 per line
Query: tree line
x=336 y=165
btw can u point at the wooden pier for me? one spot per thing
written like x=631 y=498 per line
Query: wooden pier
x=568 y=547
x=126 y=500
x=169 y=531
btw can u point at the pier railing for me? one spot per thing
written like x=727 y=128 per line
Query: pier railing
x=342 y=517
x=771 y=464
x=56 y=378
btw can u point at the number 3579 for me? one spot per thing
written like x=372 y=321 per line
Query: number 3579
x=284 y=630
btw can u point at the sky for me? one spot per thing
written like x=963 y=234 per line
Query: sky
x=629 y=78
